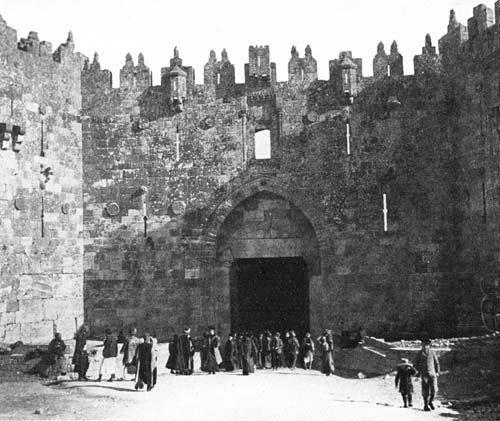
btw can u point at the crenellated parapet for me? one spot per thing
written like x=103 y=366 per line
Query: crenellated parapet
x=94 y=79
x=302 y=69
x=450 y=44
x=220 y=74
x=429 y=61
x=260 y=72
x=132 y=76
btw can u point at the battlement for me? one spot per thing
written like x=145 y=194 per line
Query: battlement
x=32 y=45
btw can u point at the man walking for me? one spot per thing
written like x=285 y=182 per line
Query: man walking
x=109 y=354
x=427 y=364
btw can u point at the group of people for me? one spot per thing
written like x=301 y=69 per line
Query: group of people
x=139 y=357
x=245 y=351
x=242 y=351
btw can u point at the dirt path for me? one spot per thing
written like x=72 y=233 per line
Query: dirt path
x=226 y=396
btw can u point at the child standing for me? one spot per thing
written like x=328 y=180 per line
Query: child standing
x=403 y=377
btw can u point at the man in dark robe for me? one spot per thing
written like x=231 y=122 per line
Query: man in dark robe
x=276 y=351
x=239 y=355
x=146 y=364
x=172 y=355
x=266 y=350
x=80 y=356
x=248 y=354
x=210 y=351
x=185 y=352
x=230 y=357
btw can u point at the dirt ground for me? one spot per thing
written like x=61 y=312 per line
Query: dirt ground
x=286 y=394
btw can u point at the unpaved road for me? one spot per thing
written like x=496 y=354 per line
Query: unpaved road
x=283 y=395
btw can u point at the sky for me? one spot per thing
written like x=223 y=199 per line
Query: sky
x=114 y=28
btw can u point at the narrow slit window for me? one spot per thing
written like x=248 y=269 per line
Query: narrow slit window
x=263 y=144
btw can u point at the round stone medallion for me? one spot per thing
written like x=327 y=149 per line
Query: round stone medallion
x=112 y=209
x=65 y=208
x=178 y=207
x=20 y=203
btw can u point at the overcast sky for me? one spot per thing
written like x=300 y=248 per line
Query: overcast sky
x=114 y=28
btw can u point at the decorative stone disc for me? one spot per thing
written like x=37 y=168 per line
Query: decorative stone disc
x=178 y=207
x=20 y=203
x=65 y=208
x=312 y=116
x=112 y=209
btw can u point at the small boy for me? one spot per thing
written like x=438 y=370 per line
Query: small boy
x=403 y=377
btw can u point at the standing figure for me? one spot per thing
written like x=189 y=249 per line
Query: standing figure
x=56 y=355
x=276 y=351
x=185 y=352
x=260 y=339
x=327 y=366
x=308 y=351
x=146 y=364
x=211 y=357
x=172 y=355
x=249 y=354
x=239 y=352
x=155 y=350
x=128 y=350
x=266 y=350
x=427 y=365
x=81 y=356
x=286 y=350
x=403 y=378
x=293 y=349
x=109 y=354
x=230 y=355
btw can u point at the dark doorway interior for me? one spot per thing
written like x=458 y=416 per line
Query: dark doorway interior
x=270 y=294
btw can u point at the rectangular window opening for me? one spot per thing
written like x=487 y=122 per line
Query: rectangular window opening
x=263 y=144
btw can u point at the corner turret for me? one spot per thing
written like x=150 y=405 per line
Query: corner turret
x=346 y=74
x=178 y=81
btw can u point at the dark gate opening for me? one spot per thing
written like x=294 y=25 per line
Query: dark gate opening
x=270 y=294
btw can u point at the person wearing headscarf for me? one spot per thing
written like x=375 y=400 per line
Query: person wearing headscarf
x=266 y=350
x=403 y=379
x=308 y=351
x=249 y=354
x=109 y=354
x=129 y=347
x=327 y=366
x=80 y=356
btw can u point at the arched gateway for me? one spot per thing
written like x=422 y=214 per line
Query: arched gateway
x=267 y=259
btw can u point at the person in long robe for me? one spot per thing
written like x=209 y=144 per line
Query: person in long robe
x=172 y=355
x=405 y=371
x=239 y=355
x=230 y=357
x=210 y=352
x=129 y=347
x=266 y=350
x=146 y=364
x=185 y=352
x=81 y=356
x=308 y=351
x=286 y=350
x=293 y=350
x=327 y=366
x=276 y=351
x=249 y=354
